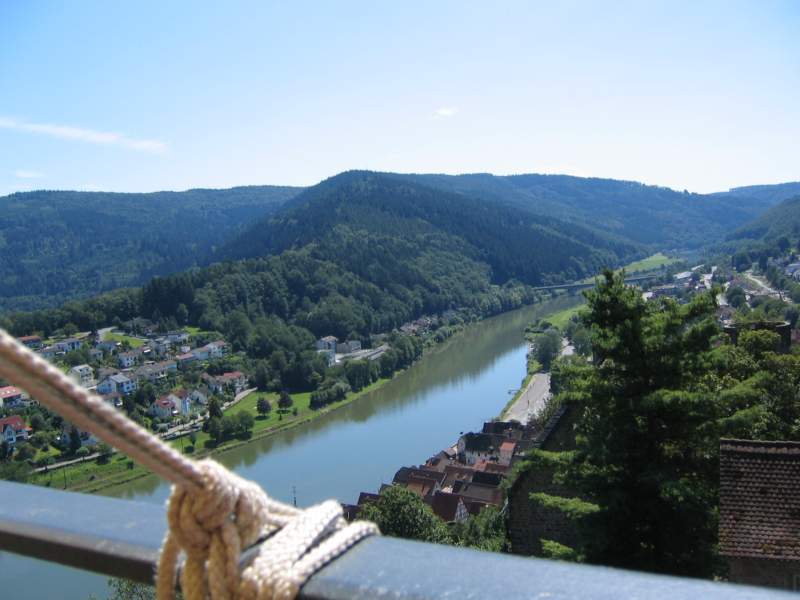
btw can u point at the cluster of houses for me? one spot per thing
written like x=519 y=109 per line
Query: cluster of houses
x=13 y=428
x=463 y=479
x=425 y=323
x=155 y=360
x=683 y=284
x=336 y=352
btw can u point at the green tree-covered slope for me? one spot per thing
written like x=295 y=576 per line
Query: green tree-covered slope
x=657 y=216
x=60 y=245
x=381 y=226
x=781 y=220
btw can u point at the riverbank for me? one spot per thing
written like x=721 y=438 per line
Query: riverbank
x=93 y=477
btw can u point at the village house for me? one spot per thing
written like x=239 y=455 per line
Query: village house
x=200 y=396
x=83 y=374
x=210 y=351
x=449 y=507
x=34 y=342
x=95 y=354
x=348 y=347
x=117 y=383
x=507 y=452
x=87 y=438
x=13 y=430
x=155 y=372
x=177 y=337
x=160 y=346
x=49 y=353
x=327 y=343
x=473 y=447
x=68 y=345
x=11 y=397
x=759 y=512
x=234 y=381
x=164 y=407
x=108 y=346
x=126 y=360
x=185 y=359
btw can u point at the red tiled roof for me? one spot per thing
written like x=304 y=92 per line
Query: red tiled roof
x=759 y=499
x=9 y=391
x=15 y=421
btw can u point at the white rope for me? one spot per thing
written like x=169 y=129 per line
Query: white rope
x=213 y=514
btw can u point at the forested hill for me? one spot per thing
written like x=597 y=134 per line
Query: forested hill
x=59 y=245
x=780 y=220
x=388 y=229
x=772 y=194
x=657 y=216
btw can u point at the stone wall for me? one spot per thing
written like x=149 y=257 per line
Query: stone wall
x=528 y=523
x=784 y=574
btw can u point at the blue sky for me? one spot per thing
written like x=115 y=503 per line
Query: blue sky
x=144 y=96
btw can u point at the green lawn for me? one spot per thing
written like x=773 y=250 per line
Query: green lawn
x=645 y=265
x=91 y=477
x=121 y=337
x=195 y=330
x=561 y=318
x=651 y=263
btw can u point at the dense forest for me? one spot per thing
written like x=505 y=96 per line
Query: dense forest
x=373 y=224
x=781 y=220
x=55 y=246
x=655 y=216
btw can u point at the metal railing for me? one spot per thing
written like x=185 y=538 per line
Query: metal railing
x=121 y=538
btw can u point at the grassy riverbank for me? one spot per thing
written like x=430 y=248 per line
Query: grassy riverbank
x=91 y=476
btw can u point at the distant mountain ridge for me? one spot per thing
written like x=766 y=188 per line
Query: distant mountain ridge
x=781 y=220
x=59 y=245
x=658 y=217
x=56 y=245
x=395 y=216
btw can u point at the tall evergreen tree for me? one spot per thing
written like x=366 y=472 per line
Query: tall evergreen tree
x=646 y=442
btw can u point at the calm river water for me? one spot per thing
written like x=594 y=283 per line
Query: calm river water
x=356 y=448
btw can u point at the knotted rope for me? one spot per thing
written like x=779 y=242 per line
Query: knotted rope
x=213 y=514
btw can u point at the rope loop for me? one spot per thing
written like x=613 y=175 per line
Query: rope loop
x=212 y=527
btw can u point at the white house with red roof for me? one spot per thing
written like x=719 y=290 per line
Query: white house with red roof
x=13 y=430
x=11 y=396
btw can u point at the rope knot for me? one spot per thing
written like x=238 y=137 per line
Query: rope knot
x=212 y=525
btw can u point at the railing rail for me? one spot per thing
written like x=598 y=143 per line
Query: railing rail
x=121 y=538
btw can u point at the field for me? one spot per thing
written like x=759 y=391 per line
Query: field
x=651 y=263
x=121 y=337
x=90 y=476
x=561 y=318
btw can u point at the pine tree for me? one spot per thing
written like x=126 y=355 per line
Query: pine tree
x=647 y=442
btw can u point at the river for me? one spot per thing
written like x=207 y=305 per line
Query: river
x=453 y=389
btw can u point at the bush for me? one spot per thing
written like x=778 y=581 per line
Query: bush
x=82 y=452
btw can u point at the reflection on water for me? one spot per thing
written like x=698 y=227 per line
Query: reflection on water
x=357 y=447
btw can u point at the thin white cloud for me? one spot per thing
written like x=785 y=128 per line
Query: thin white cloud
x=445 y=112
x=66 y=132
x=25 y=174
